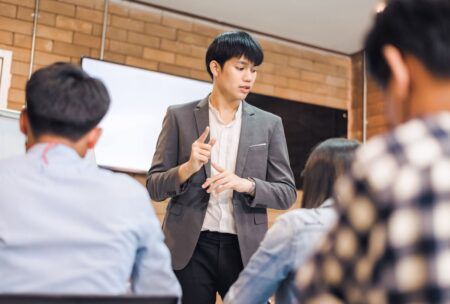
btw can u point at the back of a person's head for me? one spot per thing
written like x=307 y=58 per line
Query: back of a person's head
x=329 y=160
x=420 y=28
x=63 y=100
x=233 y=44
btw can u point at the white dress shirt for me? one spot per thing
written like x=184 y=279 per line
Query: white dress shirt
x=219 y=214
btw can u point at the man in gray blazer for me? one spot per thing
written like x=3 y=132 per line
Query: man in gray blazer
x=222 y=162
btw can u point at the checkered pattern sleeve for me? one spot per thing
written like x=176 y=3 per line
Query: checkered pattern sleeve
x=392 y=243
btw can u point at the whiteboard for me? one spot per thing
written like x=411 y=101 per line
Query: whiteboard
x=139 y=100
x=12 y=141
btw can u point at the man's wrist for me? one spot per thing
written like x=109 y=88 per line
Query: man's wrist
x=252 y=187
x=185 y=172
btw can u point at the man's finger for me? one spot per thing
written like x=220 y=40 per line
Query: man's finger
x=224 y=187
x=212 y=180
x=204 y=135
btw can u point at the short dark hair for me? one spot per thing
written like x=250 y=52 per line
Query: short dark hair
x=63 y=100
x=329 y=160
x=231 y=45
x=417 y=27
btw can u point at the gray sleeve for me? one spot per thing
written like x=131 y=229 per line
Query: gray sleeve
x=162 y=178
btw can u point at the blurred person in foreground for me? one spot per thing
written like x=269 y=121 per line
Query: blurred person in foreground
x=392 y=244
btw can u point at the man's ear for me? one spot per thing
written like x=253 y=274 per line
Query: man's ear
x=214 y=66
x=23 y=122
x=399 y=84
x=93 y=136
x=399 y=87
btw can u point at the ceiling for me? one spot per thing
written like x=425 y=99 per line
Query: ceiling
x=336 y=25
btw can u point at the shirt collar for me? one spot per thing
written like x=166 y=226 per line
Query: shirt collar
x=217 y=114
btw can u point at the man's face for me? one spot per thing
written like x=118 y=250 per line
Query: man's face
x=236 y=78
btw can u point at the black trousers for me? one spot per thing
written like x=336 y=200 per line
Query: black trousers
x=214 y=267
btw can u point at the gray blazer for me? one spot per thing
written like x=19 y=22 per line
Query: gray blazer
x=262 y=155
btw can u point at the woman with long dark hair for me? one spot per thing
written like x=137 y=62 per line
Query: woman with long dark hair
x=295 y=234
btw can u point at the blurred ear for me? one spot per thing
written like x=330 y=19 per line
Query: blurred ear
x=23 y=122
x=214 y=66
x=93 y=136
x=399 y=86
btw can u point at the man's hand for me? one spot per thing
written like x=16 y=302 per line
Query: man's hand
x=226 y=180
x=200 y=155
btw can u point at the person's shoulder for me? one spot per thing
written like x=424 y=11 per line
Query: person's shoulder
x=262 y=113
x=121 y=184
x=308 y=218
x=12 y=164
x=180 y=108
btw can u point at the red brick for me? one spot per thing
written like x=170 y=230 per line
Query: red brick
x=312 y=76
x=68 y=49
x=118 y=9
x=27 y=14
x=42 y=58
x=177 y=21
x=73 y=24
x=16 y=95
x=200 y=75
x=125 y=48
x=142 y=63
x=27 y=3
x=89 y=14
x=276 y=58
x=145 y=14
x=24 y=41
x=95 y=4
x=303 y=64
x=195 y=39
x=6 y=37
x=21 y=54
x=54 y=33
x=8 y=10
x=18 y=81
x=127 y=23
x=114 y=57
x=19 y=26
x=144 y=40
x=57 y=7
x=20 y=68
x=205 y=28
x=174 y=70
x=160 y=56
x=87 y=40
x=190 y=62
x=116 y=33
x=176 y=47
x=160 y=31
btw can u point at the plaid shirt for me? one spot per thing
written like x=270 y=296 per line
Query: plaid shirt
x=392 y=244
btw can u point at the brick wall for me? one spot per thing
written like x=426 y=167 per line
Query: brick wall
x=162 y=41
x=158 y=40
x=376 y=122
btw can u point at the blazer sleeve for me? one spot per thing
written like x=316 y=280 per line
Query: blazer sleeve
x=278 y=190
x=162 y=178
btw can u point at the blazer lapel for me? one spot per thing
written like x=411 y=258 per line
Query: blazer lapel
x=201 y=113
x=247 y=133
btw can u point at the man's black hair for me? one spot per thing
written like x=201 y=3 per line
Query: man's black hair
x=417 y=27
x=63 y=100
x=233 y=45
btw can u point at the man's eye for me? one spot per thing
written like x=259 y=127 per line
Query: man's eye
x=254 y=70
x=240 y=68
